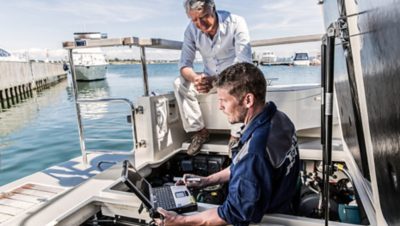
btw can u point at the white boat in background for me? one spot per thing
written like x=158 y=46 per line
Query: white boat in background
x=301 y=59
x=267 y=58
x=90 y=64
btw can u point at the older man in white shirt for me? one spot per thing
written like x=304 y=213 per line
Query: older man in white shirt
x=222 y=39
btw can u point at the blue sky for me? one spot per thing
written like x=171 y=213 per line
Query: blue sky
x=45 y=24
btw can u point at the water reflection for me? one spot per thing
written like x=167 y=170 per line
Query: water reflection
x=17 y=112
x=93 y=90
x=103 y=121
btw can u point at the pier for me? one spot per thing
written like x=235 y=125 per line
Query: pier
x=275 y=63
x=20 y=78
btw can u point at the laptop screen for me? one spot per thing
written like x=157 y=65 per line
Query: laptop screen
x=137 y=183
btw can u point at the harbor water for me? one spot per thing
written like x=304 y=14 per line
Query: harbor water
x=41 y=131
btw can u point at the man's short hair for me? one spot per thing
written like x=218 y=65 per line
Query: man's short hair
x=199 y=5
x=243 y=78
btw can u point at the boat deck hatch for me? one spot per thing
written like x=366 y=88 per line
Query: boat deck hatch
x=19 y=200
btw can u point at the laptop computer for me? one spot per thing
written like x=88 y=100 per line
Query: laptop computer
x=171 y=198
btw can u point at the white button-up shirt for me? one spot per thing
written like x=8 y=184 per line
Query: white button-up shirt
x=230 y=45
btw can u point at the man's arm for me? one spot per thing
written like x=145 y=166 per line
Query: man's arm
x=219 y=177
x=208 y=217
x=188 y=53
x=202 y=82
x=242 y=42
x=189 y=74
x=216 y=178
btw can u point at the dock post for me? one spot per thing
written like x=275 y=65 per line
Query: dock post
x=23 y=91
x=2 y=102
x=16 y=94
x=30 y=89
x=7 y=93
x=15 y=91
x=12 y=97
x=20 y=90
x=11 y=92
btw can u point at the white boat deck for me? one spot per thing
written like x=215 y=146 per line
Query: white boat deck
x=42 y=196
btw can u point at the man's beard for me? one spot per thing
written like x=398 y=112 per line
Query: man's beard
x=241 y=117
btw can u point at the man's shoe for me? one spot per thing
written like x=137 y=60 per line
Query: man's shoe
x=198 y=140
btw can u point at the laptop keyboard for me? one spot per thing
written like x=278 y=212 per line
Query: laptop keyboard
x=165 y=198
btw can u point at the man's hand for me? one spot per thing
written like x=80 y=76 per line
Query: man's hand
x=192 y=181
x=203 y=83
x=168 y=217
x=207 y=217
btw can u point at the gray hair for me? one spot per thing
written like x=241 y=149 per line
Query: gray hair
x=198 y=5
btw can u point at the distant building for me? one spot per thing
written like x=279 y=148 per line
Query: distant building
x=6 y=56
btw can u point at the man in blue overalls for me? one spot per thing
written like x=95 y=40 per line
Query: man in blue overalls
x=262 y=177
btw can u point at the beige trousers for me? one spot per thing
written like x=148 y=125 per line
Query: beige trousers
x=189 y=107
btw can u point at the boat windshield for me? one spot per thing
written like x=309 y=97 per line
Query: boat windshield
x=301 y=56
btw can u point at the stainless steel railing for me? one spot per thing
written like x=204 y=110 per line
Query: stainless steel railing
x=97 y=110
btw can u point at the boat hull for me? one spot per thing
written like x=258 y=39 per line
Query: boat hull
x=381 y=67
x=301 y=63
x=366 y=82
x=90 y=73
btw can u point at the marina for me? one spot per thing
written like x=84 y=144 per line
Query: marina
x=347 y=131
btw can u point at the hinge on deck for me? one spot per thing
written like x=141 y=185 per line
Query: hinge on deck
x=141 y=144
x=139 y=110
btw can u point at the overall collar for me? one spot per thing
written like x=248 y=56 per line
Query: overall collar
x=259 y=120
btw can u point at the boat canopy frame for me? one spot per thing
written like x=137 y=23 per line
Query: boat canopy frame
x=144 y=43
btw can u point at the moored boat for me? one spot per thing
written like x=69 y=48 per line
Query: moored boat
x=301 y=59
x=90 y=64
x=267 y=58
